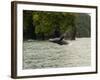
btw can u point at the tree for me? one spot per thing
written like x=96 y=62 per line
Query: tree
x=28 y=26
x=53 y=23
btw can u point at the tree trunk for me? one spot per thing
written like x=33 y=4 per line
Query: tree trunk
x=73 y=34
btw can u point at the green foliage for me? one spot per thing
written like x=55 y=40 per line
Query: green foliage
x=47 y=24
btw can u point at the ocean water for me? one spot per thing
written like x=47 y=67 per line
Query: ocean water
x=45 y=54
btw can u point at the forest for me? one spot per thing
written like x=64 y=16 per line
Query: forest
x=43 y=25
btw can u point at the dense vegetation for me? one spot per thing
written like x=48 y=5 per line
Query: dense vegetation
x=43 y=25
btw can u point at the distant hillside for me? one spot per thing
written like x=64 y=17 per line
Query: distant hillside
x=83 y=25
